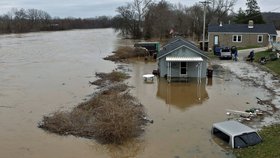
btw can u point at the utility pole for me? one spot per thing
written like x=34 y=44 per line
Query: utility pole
x=204 y=3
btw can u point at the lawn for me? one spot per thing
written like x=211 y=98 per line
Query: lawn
x=269 y=148
x=272 y=65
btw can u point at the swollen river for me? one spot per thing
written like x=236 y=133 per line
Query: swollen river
x=41 y=73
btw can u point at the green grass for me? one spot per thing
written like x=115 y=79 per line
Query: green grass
x=272 y=65
x=269 y=148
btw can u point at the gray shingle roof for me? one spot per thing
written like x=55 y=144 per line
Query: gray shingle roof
x=243 y=28
x=176 y=42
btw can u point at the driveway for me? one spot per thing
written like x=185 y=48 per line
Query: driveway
x=245 y=52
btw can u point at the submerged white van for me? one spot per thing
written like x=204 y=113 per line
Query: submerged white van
x=236 y=134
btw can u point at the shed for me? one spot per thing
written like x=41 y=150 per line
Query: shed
x=152 y=47
x=181 y=59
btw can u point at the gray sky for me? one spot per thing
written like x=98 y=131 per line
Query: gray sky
x=92 y=8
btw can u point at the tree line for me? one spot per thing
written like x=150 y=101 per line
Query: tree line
x=150 y=19
x=139 y=19
x=33 y=20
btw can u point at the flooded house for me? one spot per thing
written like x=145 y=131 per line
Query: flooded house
x=180 y=59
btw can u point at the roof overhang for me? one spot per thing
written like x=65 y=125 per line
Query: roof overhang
x=184 y=59
x=171 y=51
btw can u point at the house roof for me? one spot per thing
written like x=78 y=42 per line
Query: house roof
x=243 y=28
x=178 y=42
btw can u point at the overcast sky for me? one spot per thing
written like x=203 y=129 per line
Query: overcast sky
x=93 y=8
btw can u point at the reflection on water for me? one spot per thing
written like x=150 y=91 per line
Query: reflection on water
x=182 y=94
x=129 y=149
x=132 y=148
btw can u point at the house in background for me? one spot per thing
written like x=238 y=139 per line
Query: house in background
x=241 y=35
x=181 y=59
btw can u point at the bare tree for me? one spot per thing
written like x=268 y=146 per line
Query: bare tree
x=131 y=17
x=195 y=14
x=182 y=21
x=158 y=20
x=219 y=10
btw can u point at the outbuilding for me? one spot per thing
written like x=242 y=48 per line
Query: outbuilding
x=181 y=59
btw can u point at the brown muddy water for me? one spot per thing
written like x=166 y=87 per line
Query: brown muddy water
x=45 y=72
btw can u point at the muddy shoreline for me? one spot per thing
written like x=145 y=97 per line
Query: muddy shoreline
x=259 y=77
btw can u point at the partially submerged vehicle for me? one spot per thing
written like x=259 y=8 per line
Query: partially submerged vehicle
x=236 y=134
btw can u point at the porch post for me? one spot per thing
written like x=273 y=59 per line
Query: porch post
x=200 y=71
x=168 y=71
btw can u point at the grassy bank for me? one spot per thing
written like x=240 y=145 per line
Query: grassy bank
x=111 y=116
x=272 y=65
x=269 y=148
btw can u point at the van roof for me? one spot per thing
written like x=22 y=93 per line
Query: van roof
x=233 y=128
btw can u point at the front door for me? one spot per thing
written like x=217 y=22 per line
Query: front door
x=183 y=68
x=216 y=40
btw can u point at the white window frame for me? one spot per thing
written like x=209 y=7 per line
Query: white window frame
x=259 y=38
x=236 y=36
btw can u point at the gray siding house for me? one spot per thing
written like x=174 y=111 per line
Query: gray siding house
x=241 y=35
x=181 y=59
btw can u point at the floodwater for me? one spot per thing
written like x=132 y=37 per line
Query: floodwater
x=45 y=72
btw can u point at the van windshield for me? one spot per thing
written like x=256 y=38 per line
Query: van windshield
x=246 y=139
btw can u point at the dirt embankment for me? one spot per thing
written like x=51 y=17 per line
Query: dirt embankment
x=112 y=115
x=125 y=53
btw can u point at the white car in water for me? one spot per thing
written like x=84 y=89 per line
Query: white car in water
x=236 y=134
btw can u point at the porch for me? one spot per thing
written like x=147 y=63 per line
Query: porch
x=182 y=68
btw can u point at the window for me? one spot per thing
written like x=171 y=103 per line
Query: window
x=260 y=38
x=216 y=40
x=183 y=68
x=246 y=139
x=237 y=38
x=221 y=135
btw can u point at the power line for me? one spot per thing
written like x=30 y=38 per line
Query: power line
x=274 y=9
